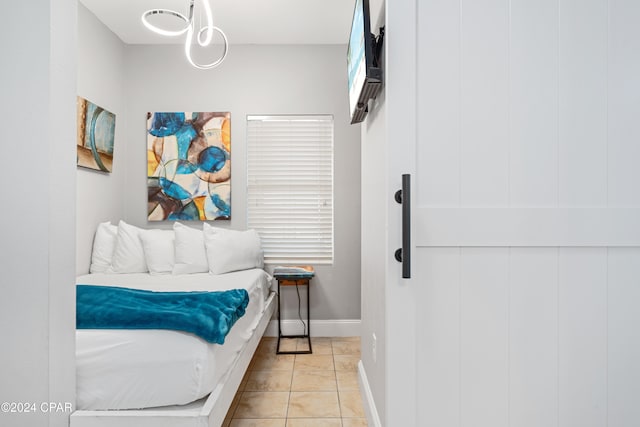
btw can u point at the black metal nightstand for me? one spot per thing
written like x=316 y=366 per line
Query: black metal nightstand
x=294 y=276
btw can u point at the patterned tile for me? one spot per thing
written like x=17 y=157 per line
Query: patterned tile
x=314 y=422
x=320 y=404
x=313 y=362
x=243 y=383
x=346 y=346
x=351 y=404
x=267 y=346
x=259 y=423
x=276 y=362
x=313 y=381
x=354 y=422
x=346 y=362
x=347 y=380
x=288 y=344
x=300 y=390
x=256 y=404
x=320 y=346
x=271 y=380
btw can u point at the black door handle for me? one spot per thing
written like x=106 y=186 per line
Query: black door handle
x=403 y=254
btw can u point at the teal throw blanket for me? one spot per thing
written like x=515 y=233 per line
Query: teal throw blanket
x=210 y=315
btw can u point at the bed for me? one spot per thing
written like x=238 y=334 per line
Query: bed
x=164 y=377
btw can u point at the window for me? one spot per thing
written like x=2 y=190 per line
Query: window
x=290 y=187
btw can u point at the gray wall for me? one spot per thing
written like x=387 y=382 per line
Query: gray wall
x=37 y=310
x=101 y=81
x=255 y=80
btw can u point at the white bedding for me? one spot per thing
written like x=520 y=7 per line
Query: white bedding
x=126 y=369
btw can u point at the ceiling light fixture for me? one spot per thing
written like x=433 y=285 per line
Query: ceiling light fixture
x=204 y=34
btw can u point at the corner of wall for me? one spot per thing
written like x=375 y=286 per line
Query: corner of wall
x=100 y=79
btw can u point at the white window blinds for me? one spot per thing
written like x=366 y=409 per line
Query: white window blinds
x=290 y=187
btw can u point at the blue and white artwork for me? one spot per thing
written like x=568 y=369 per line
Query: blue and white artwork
x=189 y=166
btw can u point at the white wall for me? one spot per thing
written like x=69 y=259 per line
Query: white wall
x=374 y=158
x=37 y=310
x=374 y=149
x=255 y=80
x=101 y=70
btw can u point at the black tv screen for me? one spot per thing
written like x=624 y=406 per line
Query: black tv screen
x=365 y=78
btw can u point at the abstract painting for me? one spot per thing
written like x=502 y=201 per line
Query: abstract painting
x=96 y=132
x=188 y=166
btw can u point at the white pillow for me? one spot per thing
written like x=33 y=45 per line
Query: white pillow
x=189 y=249
x=129 y=254
x=231 y=250
x=104 y=243
x=159 y=252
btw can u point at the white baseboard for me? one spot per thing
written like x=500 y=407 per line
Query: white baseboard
x=370 y=410
x=319 y=328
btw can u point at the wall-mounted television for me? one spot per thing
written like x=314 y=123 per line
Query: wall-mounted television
x=365 y=76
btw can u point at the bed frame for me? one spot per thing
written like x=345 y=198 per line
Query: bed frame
x=209 y=411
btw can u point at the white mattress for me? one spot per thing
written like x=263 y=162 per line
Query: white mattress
x=127 y=369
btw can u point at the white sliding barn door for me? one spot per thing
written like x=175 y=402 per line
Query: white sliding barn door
x=519 y=122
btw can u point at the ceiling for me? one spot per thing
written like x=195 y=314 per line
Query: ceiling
x=243 y=21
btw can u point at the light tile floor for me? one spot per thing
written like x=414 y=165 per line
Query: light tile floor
x=302 y=390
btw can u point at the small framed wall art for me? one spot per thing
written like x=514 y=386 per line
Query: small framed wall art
x=96 y=133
